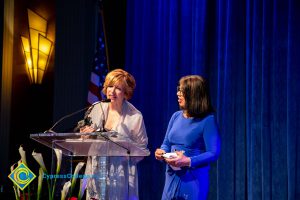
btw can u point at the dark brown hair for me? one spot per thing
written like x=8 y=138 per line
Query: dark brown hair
x=196 y=94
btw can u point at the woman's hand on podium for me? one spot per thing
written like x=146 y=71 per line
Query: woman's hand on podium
x=86 y=129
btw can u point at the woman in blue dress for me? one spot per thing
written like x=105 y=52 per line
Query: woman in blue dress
x=193 y=138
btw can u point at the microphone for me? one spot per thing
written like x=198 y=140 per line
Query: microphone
x=89 y=108
x=103 y=101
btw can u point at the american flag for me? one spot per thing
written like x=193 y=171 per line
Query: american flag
x=100 y=66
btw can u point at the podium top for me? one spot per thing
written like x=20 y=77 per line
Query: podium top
x=99 y=144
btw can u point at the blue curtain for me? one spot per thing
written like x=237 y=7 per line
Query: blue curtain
x=250 y=52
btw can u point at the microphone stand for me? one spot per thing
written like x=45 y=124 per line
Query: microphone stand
x=50 y=130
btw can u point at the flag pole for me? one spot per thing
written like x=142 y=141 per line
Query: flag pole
x=105 y=34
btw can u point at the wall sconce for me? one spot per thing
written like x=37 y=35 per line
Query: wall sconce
x=37 y=48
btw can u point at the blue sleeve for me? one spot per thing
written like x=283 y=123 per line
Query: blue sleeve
x=166 y=146
x=212 y=143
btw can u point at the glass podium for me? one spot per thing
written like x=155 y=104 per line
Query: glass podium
x=111 y=164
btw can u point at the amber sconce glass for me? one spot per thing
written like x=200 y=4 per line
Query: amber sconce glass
x=37 y=48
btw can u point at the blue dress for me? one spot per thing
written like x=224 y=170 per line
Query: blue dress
x=199 y=139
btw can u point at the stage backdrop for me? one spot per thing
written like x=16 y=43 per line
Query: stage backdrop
x=249 y=50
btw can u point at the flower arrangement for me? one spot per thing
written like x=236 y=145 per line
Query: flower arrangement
x=51 y=186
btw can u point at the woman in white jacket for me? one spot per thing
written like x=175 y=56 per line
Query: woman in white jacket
x=122 y=117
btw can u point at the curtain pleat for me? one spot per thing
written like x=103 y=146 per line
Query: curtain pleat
x=249 y=51
x=75 y=26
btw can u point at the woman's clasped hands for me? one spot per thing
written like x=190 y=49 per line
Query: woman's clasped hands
x=176 y=161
